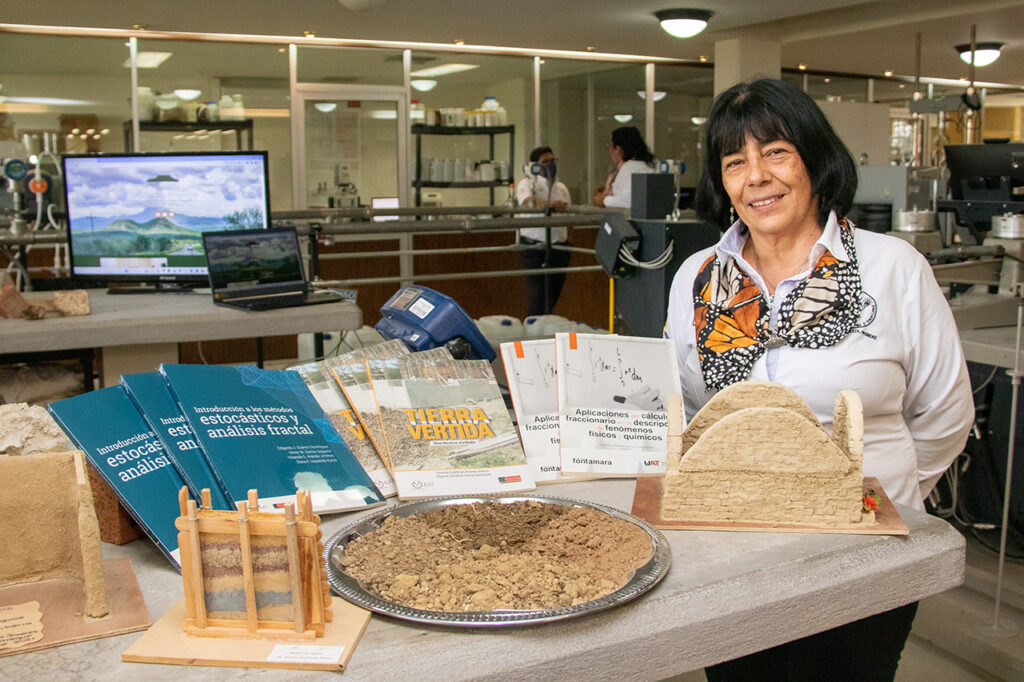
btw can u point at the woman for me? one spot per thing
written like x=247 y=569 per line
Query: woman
x=630 y=155
x=793 y=293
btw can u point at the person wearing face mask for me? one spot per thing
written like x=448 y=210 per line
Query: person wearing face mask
x=794 y=293
x=629 y=155
x=543 y=190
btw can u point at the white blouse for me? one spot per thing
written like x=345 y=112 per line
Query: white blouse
x=904 y=359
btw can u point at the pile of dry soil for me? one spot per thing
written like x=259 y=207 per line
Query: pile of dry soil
x=488 y=555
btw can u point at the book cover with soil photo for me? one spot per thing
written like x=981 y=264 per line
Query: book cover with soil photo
x=337 y=408
x=447 y=429
x=350 y=373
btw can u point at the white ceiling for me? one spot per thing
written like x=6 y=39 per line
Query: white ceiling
x=830 y=35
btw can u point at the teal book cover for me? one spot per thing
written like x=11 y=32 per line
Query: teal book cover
x=149 y=392
x=117 y=441
x=262 y=429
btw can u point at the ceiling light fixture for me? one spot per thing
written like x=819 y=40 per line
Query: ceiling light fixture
x=887 y=73
x=802 y=66
x=683 y=23
x=423 y=84
x=443 y=70
x=309 y=34
x=703 y=59
x=325 y=107
x=188 y=94
x=658 y=95
x=623 y=118
x=698 y=120
x=984 y=53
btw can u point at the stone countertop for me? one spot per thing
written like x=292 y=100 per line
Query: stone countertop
x=131 y=319
x=726 y=594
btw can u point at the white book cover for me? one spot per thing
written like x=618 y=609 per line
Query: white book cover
x=532 y=382
x=337 y=408
x=611 y=403
x=447 y=429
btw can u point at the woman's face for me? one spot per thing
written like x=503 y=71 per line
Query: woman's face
x=615 y=151
x=769 y=187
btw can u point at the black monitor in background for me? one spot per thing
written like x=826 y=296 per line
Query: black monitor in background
x=140 y=218
x=985 y=172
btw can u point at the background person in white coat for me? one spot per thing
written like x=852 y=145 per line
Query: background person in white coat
x=537 y=190
x=630 y=155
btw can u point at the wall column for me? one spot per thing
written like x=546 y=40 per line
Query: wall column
x=745 y=59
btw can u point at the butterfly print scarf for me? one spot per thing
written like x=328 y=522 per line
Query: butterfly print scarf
x=731 y=314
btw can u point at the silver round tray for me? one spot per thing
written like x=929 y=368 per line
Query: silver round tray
x=644 y=578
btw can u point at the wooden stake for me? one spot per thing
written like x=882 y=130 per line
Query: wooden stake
x=198 y=591
x=204 y=495
x=247 y=580
x=254 y=500
x=294 y=568
x=183 y=501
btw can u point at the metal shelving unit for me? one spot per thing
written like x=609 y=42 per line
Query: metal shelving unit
x=419 y=130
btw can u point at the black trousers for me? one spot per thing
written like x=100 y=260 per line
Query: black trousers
x=866 y=650
x=534 y=258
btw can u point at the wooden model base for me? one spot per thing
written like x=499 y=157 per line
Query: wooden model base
x=61 y=603
x=647 y=505
x=167 y=642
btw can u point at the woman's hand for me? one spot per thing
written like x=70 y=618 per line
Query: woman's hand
x=599 y=195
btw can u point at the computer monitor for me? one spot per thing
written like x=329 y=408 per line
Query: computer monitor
x=989 y=171
x=139 y=218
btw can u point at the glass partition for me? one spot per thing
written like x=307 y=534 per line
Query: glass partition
x=582 y=103
x=679 y=118
x=450 y=90
x=350 y=66
x=203 y=96
x=76 y=98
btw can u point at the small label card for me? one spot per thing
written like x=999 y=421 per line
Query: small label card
x=20 y=624
x=303 y=653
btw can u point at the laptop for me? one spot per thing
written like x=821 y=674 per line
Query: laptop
x=260 y=270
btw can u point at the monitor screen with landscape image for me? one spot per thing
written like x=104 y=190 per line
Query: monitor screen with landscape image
x=141 y=217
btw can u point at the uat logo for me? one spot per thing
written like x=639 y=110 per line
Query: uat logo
x=652 y=462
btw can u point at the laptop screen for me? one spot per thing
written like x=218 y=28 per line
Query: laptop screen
x=253 y=258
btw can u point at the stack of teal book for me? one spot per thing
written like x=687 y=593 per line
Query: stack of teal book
x=227 y=429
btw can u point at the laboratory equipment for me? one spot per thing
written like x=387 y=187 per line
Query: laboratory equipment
x=424 y=318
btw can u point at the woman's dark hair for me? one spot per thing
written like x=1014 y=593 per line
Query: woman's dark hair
x=539 y=152
x=769 y=110
x=632 y=144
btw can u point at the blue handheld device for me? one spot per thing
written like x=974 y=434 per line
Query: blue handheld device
x=423 y=318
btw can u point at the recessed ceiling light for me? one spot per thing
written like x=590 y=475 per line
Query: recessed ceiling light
x=902 y=85
x=148 y=60
x=281 y=49
x=703 y=59
x=623 y=118
x=887 y=73
x=801 y=66
x=325 y=107
x=658 y=95
x=985 y=53
x=309 y=34
x=459 y=41
x=683 y=23
x=590 y=48
x=698 y=120
x=423 y=84
x=188 y=94
x=443 y=70
x=828 y=80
